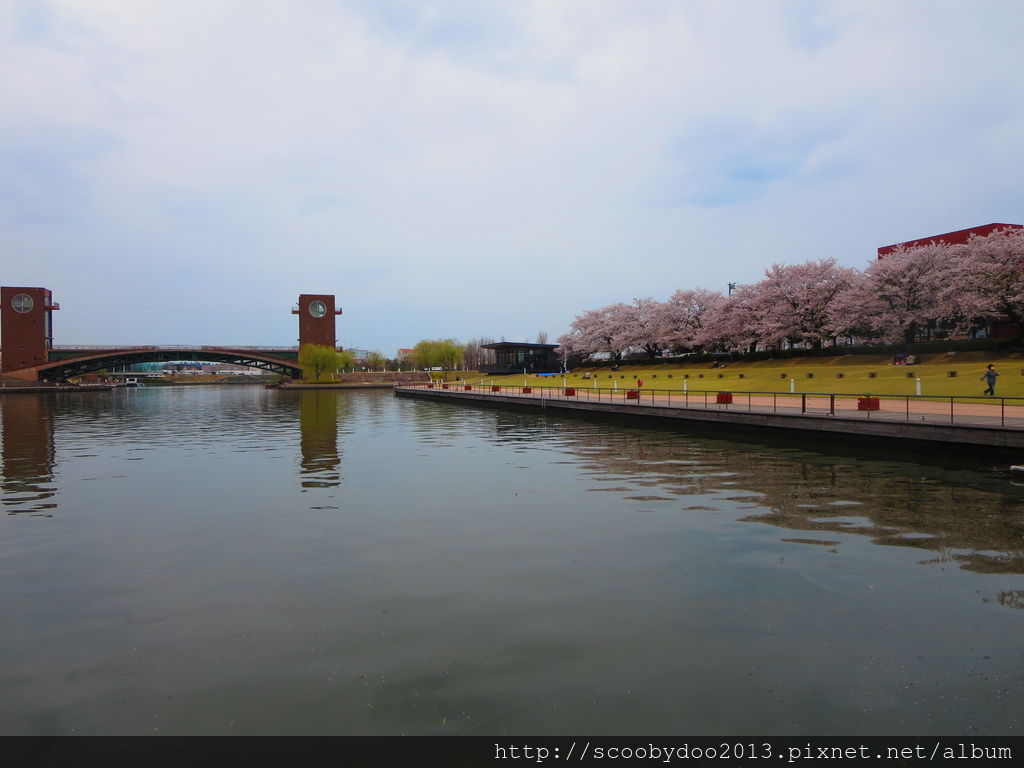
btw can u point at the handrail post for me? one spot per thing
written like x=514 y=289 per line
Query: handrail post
x=803 y=402
x=832 y=405
x=951 y=410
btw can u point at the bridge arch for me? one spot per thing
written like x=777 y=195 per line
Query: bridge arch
x=27 y=351
x=66 y=362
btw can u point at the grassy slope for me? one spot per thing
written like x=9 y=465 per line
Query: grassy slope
x=774 y=375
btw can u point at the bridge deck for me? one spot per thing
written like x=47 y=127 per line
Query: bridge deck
x=71 y=360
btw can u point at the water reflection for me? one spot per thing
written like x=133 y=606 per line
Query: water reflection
x=492 y=572
x=952 y=513
x=318 y=426
x=28 y=455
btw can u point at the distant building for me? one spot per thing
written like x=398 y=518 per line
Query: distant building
x=516 y=357
x=359 y=355
x=959 y=237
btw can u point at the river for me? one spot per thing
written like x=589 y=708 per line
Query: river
x=234 y=560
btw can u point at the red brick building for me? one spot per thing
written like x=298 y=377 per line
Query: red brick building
x=998 y=329
x=959 y=237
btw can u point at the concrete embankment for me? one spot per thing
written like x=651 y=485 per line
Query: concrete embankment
x=364 y=380
x=334 y=385
x=12 y=386
x=823 y=424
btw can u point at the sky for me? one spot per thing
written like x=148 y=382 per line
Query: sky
x=179 y=172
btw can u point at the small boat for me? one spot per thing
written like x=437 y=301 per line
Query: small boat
x=132 y=382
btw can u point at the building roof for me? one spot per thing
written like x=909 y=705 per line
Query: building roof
x=958 y=237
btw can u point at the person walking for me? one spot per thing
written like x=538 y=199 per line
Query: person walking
x=990 y=377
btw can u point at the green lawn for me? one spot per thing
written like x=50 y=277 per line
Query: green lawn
x=849 y=374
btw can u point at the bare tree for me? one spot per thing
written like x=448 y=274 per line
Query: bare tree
x=475 y=356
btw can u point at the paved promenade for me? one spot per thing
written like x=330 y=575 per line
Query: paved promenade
x=975 y=411
x=986 y=421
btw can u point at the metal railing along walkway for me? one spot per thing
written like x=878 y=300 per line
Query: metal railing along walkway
x=989 y=412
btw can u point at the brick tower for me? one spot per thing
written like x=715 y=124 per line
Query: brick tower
x=316 y=319
x=26 y=327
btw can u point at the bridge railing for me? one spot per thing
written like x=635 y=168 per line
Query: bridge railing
x=252 y=349
x=100 y=347
x=189 y=347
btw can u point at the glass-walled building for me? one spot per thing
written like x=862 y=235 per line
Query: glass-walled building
x=516 y=357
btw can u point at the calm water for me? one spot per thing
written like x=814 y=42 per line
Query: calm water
x=247 y=561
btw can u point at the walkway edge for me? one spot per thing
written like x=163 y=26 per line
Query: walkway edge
x=949 y=433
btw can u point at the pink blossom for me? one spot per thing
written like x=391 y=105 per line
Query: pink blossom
x=683 y=318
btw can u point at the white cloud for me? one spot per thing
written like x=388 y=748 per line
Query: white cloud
x=476 y=169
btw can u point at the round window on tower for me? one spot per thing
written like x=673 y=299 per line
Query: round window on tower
x=22 y=303
x=317 y=309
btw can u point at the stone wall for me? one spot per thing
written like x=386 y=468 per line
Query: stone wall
x=390 y=377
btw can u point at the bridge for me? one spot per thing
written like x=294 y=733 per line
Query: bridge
x=29 y=354
x=67 y=361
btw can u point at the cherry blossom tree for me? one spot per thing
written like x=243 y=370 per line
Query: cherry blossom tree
x=734 y=322
x=597 y=330
x=641 y=327
x=795 y=301
x=904 y=295
x=991 y=281
x=848 y=315
x=683 y=318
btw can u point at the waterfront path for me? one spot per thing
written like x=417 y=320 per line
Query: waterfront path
x=991 y=421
